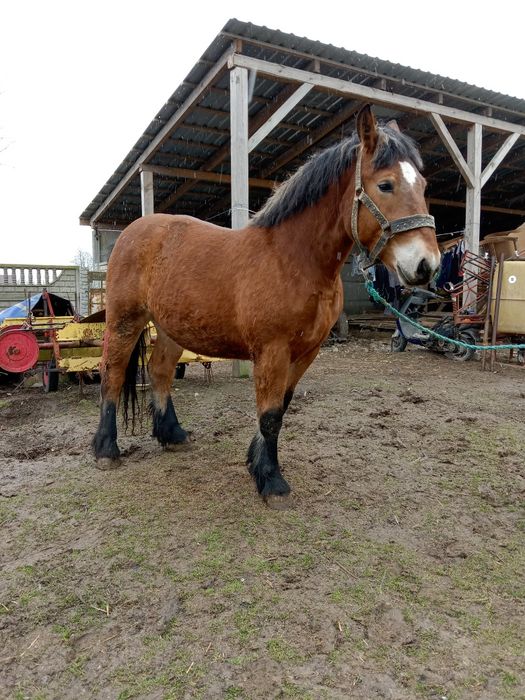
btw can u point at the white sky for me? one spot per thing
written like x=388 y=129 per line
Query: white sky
x=80 y=82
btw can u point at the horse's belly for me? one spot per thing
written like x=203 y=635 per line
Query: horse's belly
x=203 y=338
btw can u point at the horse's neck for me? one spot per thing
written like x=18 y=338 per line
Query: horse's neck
x=316 y=238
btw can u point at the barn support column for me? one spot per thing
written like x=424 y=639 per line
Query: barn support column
x=470 y=169
x=473 y=198
x=240 y=201
x=239 y=146
x=95 y=241
x=146 y=192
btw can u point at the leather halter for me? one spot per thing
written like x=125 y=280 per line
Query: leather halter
x=388 y=228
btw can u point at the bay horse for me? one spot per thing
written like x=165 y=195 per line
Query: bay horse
x=269 y=292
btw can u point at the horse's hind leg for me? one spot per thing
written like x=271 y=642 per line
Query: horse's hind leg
x=120 y=339
x=161 y=368
x=270 y=374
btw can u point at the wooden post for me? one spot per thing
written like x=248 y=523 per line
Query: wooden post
x=473 y=204
x=239 y=166
x=488 y=311
x=473 y=200
x=239 y=146
x=495 y=315
x=95 y=243
x=146 y=192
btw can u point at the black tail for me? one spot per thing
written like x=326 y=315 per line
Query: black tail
x=136 y=364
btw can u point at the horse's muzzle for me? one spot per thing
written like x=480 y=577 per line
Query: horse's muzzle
x=423 y=273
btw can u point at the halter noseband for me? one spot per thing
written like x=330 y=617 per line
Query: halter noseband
x=388 y=228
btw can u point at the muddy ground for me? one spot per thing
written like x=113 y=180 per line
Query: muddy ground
x=397 y=572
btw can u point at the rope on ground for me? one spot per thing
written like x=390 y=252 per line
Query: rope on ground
x=471 y=346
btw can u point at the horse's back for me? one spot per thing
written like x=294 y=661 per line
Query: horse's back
x=160 y=244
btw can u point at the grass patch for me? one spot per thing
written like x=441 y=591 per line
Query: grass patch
x=281 y=651
x=291 y=690
x=77 y=667
x=245 y=623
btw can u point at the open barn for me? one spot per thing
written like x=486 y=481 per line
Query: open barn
x=396 y=569
x=260 y=102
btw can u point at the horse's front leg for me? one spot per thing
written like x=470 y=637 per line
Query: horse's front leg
x=270 y=375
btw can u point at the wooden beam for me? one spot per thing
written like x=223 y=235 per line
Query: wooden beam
x=278 y=116
x=224 y=151
x=461 y=205
x=240 y=194
x=490 y=141
x=473 y=200
x=164 y=133
x=452 y=148
x=498 y=157
x=240 y=202
x=204 y=175
x=146 y=192
x=437 y=93
x=313 y=137
x=364 y=92
x=331 y=125
x=266 y=101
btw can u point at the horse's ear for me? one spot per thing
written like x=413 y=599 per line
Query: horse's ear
x=367 y=129
x=393 y=125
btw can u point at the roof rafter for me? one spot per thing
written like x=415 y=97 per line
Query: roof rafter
x=363 y=92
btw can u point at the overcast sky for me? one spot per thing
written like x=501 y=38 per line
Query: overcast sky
x=80 y=82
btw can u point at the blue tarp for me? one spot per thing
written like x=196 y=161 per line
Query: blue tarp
x=21 y=309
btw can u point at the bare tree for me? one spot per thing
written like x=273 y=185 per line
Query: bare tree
x=83 y=259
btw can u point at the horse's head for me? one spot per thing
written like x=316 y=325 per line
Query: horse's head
x=389 y=217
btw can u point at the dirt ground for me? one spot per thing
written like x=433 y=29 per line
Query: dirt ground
x=397 y=572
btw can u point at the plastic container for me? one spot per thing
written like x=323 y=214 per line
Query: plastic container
x=512 y=305
x=496 y=244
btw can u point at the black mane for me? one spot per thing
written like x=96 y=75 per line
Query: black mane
x=311 y=181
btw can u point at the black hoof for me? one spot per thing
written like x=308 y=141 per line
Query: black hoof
x=279 y=502
x=166 y=427
x=105 y=447
x=275 y=485
x=105 y=439
x=106 y=464
x=178 y=446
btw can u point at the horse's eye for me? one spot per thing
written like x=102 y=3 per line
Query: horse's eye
x=386 y=186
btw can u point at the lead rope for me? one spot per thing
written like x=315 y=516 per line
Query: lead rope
x=470 y=346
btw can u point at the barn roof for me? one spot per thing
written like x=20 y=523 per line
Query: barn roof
x=187 y=143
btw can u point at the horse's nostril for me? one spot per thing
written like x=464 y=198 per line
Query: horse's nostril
x=423 y=269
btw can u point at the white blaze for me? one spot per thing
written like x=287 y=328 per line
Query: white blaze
x=409 y=172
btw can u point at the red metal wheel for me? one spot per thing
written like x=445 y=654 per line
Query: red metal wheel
x=18 y=350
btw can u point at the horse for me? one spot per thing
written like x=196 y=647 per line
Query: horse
x=269 y=292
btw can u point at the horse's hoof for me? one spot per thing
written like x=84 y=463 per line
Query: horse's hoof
x=178 y=446
x=278 y=502
x=106 y=463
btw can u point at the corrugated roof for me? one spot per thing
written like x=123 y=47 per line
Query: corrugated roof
x=201 y=140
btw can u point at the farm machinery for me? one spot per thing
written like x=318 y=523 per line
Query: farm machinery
x=62 y=343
